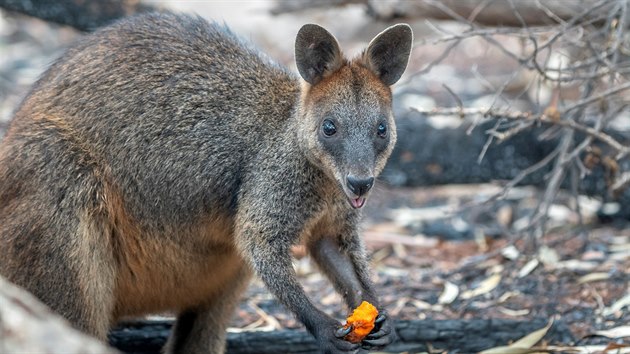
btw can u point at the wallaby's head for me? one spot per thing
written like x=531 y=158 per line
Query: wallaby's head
x=346 y=125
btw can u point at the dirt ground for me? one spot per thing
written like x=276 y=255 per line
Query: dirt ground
x=462 y=266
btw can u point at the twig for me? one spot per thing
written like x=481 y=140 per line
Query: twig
x=621 y=149
x=585 y=53
x=487 y=144
x=621 y=182
x=553 y=186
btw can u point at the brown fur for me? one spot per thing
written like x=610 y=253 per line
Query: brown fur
x=161 y=162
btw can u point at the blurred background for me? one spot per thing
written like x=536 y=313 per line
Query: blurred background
x=506 y=195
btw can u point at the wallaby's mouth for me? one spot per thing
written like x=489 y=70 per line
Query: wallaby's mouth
x=357 y=203
x=357 y=190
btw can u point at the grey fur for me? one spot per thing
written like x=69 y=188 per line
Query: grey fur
x=161 y=161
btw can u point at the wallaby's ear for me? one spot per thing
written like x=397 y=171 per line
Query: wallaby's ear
x=317 y=53
x=388 y=53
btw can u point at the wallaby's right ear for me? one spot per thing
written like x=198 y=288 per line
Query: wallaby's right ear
x=388 y=53
x=317 y=53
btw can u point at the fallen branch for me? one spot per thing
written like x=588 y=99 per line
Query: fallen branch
x=457 y=336
x=488 y=12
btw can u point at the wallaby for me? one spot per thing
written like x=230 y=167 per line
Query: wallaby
x=162 y=161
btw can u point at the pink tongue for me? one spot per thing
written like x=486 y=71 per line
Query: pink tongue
x=358 y=202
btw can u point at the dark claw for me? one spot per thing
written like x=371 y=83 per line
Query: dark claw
x=379 y=332
x=381 y=336
x=343 y=331
x=378 y=322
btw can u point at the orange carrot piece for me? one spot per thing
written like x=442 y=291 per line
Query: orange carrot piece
x=362 y=322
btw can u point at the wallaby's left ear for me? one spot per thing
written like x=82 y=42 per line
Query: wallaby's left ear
x=388 y=53
x=317 y=53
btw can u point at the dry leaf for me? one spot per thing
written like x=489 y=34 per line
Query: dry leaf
x=508 y=295
x=617 y=332
x=392 y=238
x=574 y=264
x=510 y=252
x=624 y=247
x=615 y=346
x=552 y=113
x=588 y=206
x=484 y=287
x=407 y=216
x=423 y=305
x=528 y=267
x=593 y=277
x=548 y=256
x=505 y=216
x=523 y=345
x=588 y=349
x=394 y=272
x=531 y=339
x=619 y=256
x=449 y=294
x=399 y=250
x=269 y=319
x=560 y=213
x=481 y=240
x=617 y=306
x=513 y=313
x=509 y=350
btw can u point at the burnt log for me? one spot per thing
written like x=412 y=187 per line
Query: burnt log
x=495 y=13
x=428 y=156
x=84 y=15
x=456 y=336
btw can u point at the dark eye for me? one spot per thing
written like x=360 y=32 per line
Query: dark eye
x=382 y=130
x=328 y=127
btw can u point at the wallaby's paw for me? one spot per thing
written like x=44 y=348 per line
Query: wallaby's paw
x=342 y=332
x=382 y=335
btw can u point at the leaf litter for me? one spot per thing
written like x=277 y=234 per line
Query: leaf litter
x=581 y=282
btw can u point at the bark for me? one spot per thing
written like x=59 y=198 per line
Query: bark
x=425 y=155
x=84 y=15
x=491 y=13
x=456 y=336
x=28 y=326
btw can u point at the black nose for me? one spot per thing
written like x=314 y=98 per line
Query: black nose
x=359 y=186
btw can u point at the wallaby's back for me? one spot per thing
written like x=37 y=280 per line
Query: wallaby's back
x=168 y=99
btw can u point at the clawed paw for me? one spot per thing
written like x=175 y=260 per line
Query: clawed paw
x=382 y=335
